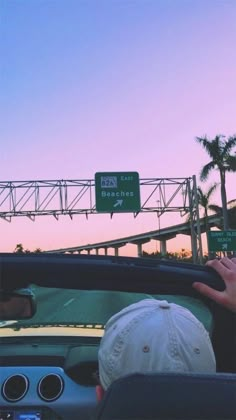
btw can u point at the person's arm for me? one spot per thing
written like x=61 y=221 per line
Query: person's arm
x=227 y=269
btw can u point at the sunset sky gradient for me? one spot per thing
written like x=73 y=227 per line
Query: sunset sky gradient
x=111 y=85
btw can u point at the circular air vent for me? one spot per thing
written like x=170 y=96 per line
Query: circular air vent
x=50 y=387
x=15 y=387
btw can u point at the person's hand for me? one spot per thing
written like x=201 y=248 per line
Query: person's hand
x=227 y=269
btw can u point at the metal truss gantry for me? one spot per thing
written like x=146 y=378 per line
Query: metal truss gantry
x=77 y=197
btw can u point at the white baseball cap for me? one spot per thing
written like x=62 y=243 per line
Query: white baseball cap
x=154 y=336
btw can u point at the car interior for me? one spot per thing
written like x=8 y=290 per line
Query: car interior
x=49 y=352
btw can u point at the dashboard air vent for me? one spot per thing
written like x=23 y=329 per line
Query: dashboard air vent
x=50 y=387
x=15 y=387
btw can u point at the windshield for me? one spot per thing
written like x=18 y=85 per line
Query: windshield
x=85 y=312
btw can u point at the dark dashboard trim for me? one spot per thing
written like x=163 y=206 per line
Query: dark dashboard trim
x=115 y=273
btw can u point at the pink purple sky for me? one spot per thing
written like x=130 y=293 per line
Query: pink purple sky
x=111 y=85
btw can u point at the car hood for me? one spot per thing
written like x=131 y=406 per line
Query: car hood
x=12 y=329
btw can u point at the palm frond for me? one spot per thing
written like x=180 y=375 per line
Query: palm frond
x=232 y=203
x=206 y=144
x=212 y=189
x=230 y=162
x=206 y=170
x=216 y=209
x=230 y=144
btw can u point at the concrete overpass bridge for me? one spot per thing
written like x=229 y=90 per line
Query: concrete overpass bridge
x=161 y=235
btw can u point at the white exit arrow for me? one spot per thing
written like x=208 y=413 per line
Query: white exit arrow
x=118 y=203
x=224 y=246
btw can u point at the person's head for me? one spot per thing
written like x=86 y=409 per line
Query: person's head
x=153 y=336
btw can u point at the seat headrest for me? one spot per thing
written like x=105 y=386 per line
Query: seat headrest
x=170 y=396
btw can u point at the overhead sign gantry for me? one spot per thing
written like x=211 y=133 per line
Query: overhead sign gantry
x=110 y=192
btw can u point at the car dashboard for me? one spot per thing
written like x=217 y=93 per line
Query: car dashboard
x=43 y=392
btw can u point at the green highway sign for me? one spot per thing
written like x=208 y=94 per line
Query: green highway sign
x=117 y=192
x=222 y=240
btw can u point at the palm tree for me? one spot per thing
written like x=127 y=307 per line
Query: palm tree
x=204 y=199
x=219 y=150
x=38 y=250
x=19 y=249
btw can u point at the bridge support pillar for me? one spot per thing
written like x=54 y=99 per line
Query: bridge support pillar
x=105 y=251
x=163 y=247
x=116 y=251
x=97 y=251
x=139 y=249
